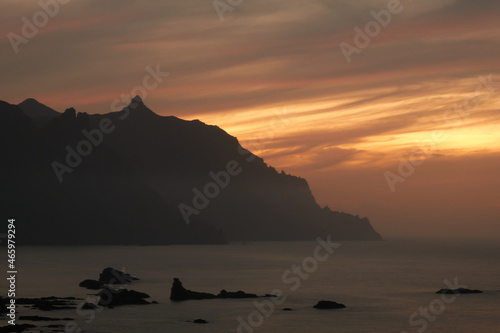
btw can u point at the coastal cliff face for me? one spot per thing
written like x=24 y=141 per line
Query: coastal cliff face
x=134 y=177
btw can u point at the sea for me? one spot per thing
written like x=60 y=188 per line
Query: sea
x=386 y=286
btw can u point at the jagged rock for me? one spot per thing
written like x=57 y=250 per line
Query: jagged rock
x=458 y=291
x=237 y=294
x=110 y=275
x=329 y=305
x=69 y=113
x=114 y=297
x=91 y=284
x=179 y=293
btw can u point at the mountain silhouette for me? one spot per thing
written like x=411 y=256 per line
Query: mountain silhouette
x=39 y=113
x=134 y=177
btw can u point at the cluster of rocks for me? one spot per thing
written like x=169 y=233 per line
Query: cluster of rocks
x=111 y=294
x=44 y=304
x=109 y=276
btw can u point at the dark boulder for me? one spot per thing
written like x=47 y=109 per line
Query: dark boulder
x=458 y=291
x=91 y=284
x=237 y=294
x=329 y=305
x=179 y=293
x=113 y=297
x=112 y=276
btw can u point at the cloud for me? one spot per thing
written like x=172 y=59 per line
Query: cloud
x=277 y=54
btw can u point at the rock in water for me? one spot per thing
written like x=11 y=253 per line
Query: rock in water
x=458 y=291
x=112 y=297
x=329 y=305
x=91 y=284
x=112 y=276
x=179 y=293
x=237 y=294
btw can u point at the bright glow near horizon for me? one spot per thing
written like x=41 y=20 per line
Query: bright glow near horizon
x=274 y=71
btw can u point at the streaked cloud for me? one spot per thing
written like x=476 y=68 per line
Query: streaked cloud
x=342 y=119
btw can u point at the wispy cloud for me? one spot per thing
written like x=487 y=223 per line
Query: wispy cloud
x=270 y=54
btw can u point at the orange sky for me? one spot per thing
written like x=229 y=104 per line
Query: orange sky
x=273 y=75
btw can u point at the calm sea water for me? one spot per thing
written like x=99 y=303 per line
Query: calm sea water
x=381 y=283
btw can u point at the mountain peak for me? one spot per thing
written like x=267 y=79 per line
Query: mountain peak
x=30 y=100
x=137 y=99
x=39 y=113
x=137 y=107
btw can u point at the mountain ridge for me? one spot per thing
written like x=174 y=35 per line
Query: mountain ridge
x=173 y=160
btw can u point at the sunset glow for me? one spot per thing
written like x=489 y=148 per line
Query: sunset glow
x=272 y=74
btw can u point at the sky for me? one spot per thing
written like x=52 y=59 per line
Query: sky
x=388 y=108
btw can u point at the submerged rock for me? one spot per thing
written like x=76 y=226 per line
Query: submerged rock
x=200 y=321
x=328 y=305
